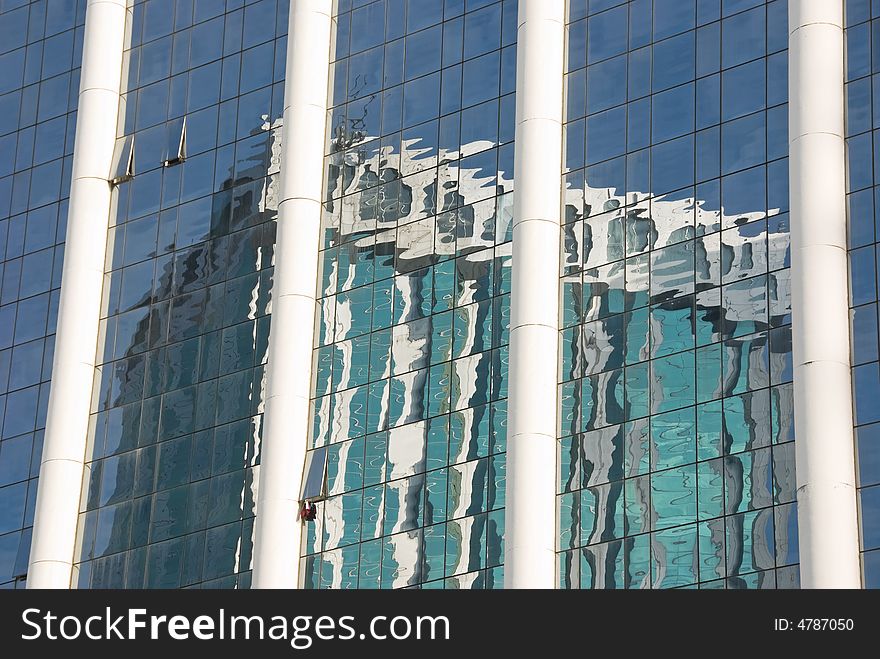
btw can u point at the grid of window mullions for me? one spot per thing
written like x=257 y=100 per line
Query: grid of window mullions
x=861 y=124
x=168 y=498
x=646 y=304
x=417 y=155
x=40 y=51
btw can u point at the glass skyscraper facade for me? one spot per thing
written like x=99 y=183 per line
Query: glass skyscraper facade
x=40 y=53
x=676 y=426
x=862 y=116
x=675 y=463
x=174 y=439
x=411 y=364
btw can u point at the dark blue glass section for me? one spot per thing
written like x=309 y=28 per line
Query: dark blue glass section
x=174 y=439
x=40 y=52
x=862 y=154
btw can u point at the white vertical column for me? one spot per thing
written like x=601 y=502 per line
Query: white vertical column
x=291 y=340
x=530 y=515
x=73 y=369
x=827 y=519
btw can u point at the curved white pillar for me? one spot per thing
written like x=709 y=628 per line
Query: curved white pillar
x=827 y=513
x=76 y=339
x=291 y=340
x=530 y=515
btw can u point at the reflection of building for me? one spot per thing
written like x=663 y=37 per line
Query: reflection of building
x=242 y=201
x=687 y=286
x=441 y=249
x=629 y=359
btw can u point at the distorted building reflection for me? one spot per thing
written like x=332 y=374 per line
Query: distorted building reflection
x=676 y=314
x=417 y=252
x=676 y=440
